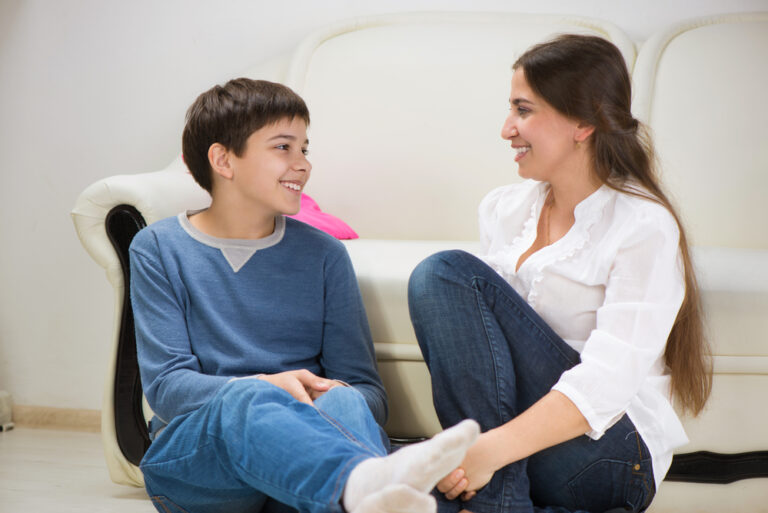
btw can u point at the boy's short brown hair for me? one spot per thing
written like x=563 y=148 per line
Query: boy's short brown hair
x=229 y=114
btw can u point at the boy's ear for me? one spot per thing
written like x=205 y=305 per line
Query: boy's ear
x=583 y=131
x=218 y=158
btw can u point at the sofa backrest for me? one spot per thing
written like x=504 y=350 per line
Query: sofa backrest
x=407 y=111
x=701 y=87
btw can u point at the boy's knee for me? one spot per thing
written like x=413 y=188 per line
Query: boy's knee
x=341 y=402
x=241 y=393
x=341 y=396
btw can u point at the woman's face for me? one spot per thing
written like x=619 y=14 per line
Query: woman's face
x=544 y=139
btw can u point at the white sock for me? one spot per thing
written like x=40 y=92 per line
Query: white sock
x=397 y=498
x=419 y=466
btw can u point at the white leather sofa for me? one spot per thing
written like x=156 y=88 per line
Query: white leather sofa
x=700 y=86
x=406 y=113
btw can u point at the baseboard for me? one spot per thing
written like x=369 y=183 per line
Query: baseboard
x=57 y=418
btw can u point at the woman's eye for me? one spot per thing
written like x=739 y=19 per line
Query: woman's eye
x=305 y=151
x=521 y=111
x=282 y=146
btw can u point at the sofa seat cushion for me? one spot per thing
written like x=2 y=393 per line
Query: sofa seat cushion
x=734 y=286
x=383 y=268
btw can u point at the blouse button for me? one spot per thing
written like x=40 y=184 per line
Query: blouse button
x=637 y=466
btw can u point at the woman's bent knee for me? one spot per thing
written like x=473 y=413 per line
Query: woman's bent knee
x=433 y=270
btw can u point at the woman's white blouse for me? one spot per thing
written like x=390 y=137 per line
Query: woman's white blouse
x=611 y=288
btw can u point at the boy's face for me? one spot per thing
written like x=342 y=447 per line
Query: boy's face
x=274 y=168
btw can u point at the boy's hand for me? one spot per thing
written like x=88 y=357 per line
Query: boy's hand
x=301 y=384
x=331 y=383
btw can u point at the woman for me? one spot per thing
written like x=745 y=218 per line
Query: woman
x=569 y=337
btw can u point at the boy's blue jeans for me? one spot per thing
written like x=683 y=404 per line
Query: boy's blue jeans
x=491 y=357
x=255 y=448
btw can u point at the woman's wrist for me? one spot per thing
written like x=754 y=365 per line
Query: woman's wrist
x=553 y=419
x=499 y=447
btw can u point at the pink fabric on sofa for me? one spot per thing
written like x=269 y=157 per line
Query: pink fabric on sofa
x=311 y=214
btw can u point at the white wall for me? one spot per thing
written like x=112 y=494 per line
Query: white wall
x=91 y=88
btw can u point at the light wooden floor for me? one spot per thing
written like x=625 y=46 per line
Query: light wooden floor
x=55 y=471
x=52 y=471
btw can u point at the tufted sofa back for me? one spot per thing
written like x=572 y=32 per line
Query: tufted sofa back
x=701 y=86
x=407 y=112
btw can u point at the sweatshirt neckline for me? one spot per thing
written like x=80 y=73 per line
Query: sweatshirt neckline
x=236 y=251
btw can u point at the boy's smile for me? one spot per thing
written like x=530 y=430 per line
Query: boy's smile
x=264 y=182
x=273 y=170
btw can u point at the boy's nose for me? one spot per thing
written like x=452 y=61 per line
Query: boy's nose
x=303 y=164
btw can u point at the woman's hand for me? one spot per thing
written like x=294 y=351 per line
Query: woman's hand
x=551 y=420
x=475 y=471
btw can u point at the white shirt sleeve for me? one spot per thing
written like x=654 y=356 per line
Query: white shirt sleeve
x=643 y=294
x=488 y=217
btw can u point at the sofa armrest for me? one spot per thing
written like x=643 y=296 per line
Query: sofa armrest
x=154 y=195
x=107 y=216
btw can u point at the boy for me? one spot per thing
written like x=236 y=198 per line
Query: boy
x=254 y=348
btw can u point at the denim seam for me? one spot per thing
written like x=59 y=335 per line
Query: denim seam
x=501 y=394
x=157 y=500
x=492 y=347
x=639 y=447
x=266 y=481
x=347 y=434
x=589 y=467
x=160 y=500
x=642 y=475
x=156 y=464
x=338 y=488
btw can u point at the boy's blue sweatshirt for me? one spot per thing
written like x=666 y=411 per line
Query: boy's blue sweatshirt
x=207 y=310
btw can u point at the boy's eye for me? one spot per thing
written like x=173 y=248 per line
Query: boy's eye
x=287 y=147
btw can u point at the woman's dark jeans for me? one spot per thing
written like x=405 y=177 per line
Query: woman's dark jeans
x=491 y=357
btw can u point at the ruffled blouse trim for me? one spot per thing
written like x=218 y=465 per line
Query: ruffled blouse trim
x=587 y=214
x=504 y=261
x=531 y=225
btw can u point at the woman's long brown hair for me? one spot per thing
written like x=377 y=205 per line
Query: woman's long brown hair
x=586 y=78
